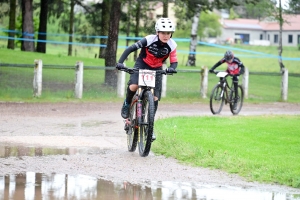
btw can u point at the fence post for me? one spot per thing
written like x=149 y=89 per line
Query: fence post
x=121 y=83
x=204 y=82
x=37 y=79
x=245 y=82
x=78 y=79
x=164 y=82
x=284 y=84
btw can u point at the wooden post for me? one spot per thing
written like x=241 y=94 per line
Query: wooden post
x=204 y=82
x=37 y=79
x=245 y=83
x=164 y=82
x=121 y=83
x=78 y=79
x=284 y=84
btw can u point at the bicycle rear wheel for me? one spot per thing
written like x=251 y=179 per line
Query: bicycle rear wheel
x=132 y=132
x=240 y=100
x=216 y=99
x=146 y=127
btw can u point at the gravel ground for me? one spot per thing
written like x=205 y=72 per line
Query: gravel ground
x=99 y=126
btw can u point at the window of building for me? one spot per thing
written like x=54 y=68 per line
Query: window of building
x=241 y=38
x=290 y=39
x=269 y=37
x=261 y=37
x=275 y=38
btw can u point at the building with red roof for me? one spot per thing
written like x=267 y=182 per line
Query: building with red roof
x=253 y=31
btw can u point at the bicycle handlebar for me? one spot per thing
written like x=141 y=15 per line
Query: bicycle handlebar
x=132 y=70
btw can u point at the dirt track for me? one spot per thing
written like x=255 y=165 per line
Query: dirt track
x=88 y=125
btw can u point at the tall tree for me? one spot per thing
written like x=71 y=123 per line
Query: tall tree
x=27 y=26
x=42 y=34
x=165 y=8
x=194 y=38
x=112 y=43
x=105 y=13
x=194 y=8
x=293 y=6
x=12 y=24
x=71 y=27
x=128 y=21
x=137 y=23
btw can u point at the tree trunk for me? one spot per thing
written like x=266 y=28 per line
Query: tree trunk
x=137 y=24
x=27 y=26
x=12 y=24
x=71 y=24
x=165 y=8
x=280 y=38
x=112 y=43
x=104 y=26
x=284 y=81
x=194 y=40
x=41 y=46
x=128 y=23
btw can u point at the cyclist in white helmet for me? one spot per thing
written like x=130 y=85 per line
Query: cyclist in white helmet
x=155 y=49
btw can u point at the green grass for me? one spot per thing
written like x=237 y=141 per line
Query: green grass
x=182 y=87
x=259 y=148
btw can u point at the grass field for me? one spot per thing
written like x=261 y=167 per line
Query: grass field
x=259 y=148
x=182 y=87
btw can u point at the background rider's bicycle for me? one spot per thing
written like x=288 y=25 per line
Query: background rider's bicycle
x=140 y=124
x=224 y=93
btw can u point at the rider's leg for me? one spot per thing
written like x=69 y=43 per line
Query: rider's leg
x=131 y=89
x=235 y=84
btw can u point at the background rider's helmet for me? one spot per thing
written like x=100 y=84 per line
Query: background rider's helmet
x=228 y=55
x=165 y=25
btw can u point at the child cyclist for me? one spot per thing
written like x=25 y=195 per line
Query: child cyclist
x=155 y=49
x=234 y=67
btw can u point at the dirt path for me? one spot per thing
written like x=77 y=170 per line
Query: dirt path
x=82 y=125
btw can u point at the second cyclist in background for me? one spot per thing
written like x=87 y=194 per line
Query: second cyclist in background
x=234 y=67
x=155 y=49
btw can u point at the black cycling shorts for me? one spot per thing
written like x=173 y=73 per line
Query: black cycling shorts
x=134 y=78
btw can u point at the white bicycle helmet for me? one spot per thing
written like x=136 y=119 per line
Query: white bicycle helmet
x=164 y=25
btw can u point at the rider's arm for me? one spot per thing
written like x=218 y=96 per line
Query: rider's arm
x=173 y=59
x=174 y=65
x=242 y=68
x=217 y=65
x=139 y=44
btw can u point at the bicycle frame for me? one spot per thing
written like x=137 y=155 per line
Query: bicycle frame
x=141 y=121
x=223 y=92
x=225 y=86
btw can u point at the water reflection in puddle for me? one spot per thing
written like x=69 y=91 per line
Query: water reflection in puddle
x=32 y=185
x=17 y=151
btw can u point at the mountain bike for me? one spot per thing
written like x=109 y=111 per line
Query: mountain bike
x=224 y=93
x=140 y=124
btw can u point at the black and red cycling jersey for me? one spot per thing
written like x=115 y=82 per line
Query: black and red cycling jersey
x=235 y=67
x=153 y=51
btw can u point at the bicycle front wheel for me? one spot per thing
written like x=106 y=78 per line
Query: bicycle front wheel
x=216 y=99
x=146 y=127
x=132 y=132
x=239 y=100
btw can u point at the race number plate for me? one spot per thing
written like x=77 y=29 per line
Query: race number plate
x=147 y=77
x=222 y=74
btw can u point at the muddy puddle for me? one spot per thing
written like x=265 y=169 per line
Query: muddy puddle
x=18 y=151
x=31 y=185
